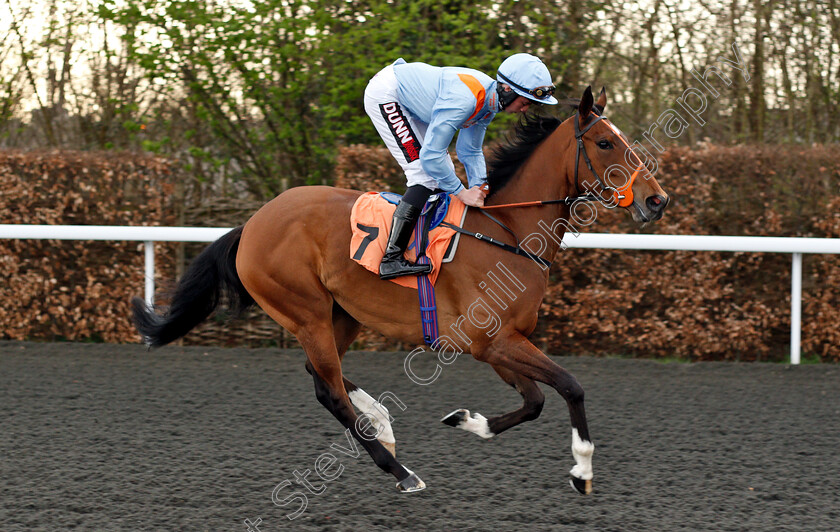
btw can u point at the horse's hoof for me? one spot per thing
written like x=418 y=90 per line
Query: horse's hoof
x=584 y=487
x=475 y=423
x=410 y=484
x=456 y=418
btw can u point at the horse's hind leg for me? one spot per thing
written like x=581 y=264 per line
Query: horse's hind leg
x=487 y=428
x=329 y=388
x=517 y=355
x=345 y=330
x=308 y=315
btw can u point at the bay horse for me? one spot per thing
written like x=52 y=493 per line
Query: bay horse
x=292 y=259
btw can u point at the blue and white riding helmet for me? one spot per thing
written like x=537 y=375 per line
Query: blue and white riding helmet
x=528 y=76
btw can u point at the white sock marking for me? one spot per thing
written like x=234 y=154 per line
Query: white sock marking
x=582 y=451
x=477 y=424
x=380 y=414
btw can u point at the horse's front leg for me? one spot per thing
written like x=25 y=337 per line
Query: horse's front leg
x=487 y=428
x=517 y=355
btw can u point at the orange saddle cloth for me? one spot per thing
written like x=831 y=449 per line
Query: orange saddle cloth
x=370 y=221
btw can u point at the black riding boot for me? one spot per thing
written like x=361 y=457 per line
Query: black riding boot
x=394 y=263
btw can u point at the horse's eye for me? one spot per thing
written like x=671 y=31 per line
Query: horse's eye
x=605 y=144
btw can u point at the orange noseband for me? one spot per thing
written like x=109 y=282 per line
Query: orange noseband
x=627 y=189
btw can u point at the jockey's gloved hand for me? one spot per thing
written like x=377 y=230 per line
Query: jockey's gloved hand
x=474 y=197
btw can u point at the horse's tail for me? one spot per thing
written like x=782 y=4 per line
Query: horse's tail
x=210 y=276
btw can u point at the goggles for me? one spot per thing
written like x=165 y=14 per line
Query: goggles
x=540 y=93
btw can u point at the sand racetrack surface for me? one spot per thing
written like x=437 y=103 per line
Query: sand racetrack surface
x=113 y=437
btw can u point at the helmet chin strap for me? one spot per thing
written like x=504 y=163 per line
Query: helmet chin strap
x=505 y=97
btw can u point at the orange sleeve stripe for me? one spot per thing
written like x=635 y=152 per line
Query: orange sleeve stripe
x=478 y=91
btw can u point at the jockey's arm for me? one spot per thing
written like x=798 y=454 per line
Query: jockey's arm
x=468 y=147
x=434 y=155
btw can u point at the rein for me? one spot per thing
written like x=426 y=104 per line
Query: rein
x=516 y=250
x=568 y=201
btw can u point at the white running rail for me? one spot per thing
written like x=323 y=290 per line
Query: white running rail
x=751 y=244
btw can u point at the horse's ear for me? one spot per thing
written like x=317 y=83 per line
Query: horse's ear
x=585 y=106
x=602 y=99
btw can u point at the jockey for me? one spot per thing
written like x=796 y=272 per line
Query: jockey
x=417 y=108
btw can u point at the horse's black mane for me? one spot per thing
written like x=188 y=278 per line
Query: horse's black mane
x=506 y=158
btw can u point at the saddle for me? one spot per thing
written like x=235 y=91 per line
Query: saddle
x=370 y=222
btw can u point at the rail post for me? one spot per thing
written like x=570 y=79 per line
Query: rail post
x=795 y=308
x=149 y=248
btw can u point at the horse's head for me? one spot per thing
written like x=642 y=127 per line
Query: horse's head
x=605 y=164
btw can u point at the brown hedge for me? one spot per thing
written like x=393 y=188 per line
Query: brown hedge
x=695 y=305
x=78 y=290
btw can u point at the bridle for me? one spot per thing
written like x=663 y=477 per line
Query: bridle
x=581 y=149
x=621 y=200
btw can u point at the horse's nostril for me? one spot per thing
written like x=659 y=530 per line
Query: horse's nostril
x=656 y=203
